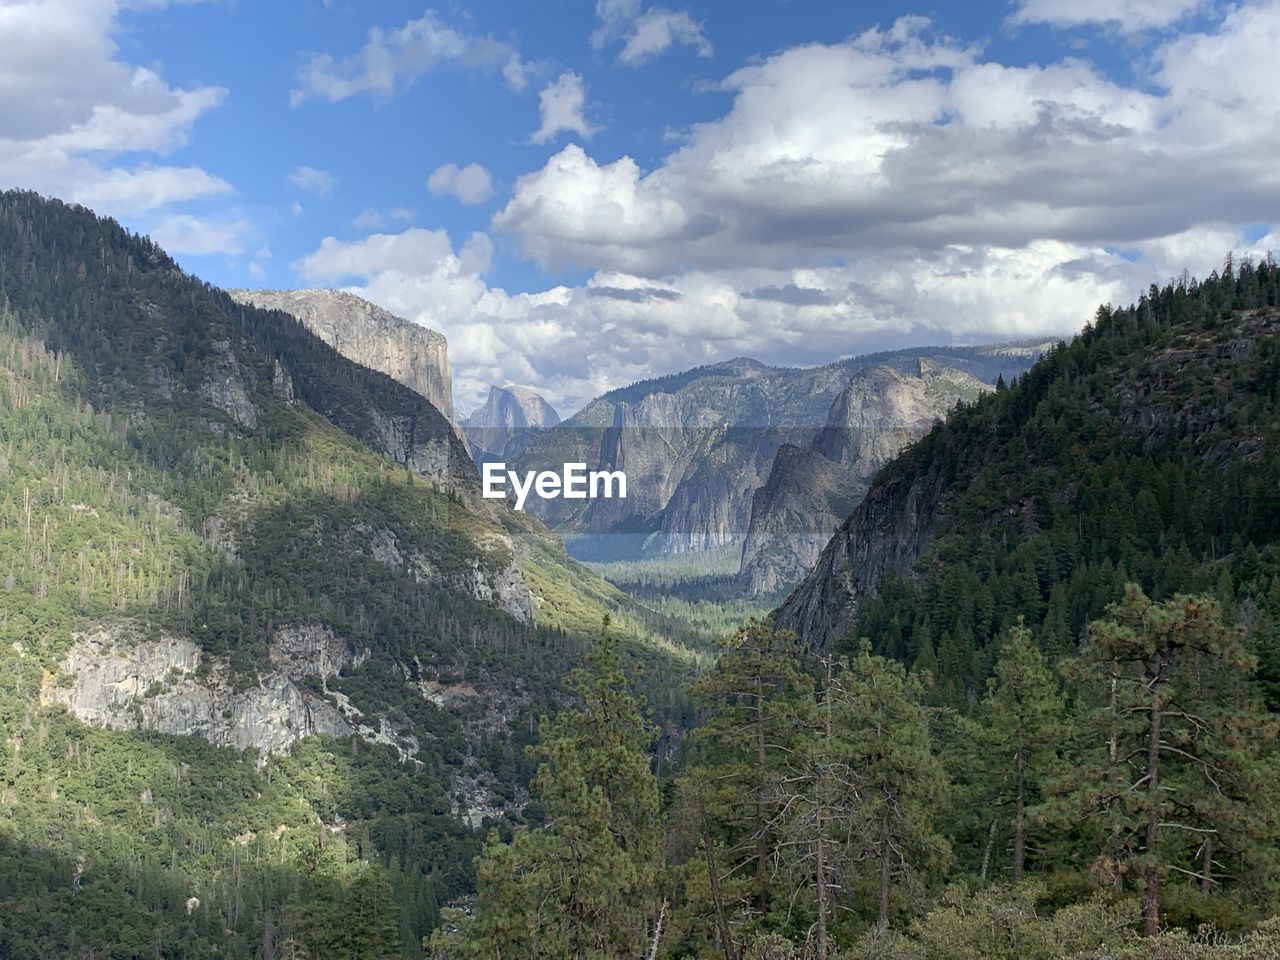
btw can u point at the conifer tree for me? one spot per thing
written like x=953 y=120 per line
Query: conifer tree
x=886 y=725
x=1175 y=767
x=587 y=884
x=752 y=703
x=1009 y=744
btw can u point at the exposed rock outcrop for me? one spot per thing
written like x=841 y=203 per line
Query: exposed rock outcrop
x=373 y=337
x=503 y=586
x=120 y=680
x=697 y=446
x=809 y=490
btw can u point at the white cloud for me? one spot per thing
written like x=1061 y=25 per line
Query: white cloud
x=470 y=184
x=73 y=115
x=1130 y=16
x=900 y=140
x=572 y=343
x=369 y=219
x=562 y=106
x=296 y=209
x=646 y=34
x=311 y=180
x=657 y=30
x=391 y=60
x=181 y=234
x=572 y=208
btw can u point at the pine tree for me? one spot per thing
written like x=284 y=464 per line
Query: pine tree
x=1174 y=771
x=885 y=723
x=1009 y=743
x=588 y=883
x=752 y=703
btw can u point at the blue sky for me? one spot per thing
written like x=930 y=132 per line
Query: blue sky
x=579 y=194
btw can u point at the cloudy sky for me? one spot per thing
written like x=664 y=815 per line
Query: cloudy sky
x=581 y=194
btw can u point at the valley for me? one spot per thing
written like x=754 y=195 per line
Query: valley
x=851 y=662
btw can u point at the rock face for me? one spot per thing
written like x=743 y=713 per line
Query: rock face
x=809 y=490
x=697 y=446
x=497 y=430
x=504 y=587
x=994 y=476
x=116 y=679
x=369 y=335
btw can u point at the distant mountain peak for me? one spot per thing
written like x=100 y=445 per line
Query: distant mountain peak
x=498 y=427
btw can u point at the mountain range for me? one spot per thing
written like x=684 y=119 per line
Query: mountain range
x=699 y=446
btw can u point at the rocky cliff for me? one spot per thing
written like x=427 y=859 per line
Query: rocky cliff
x=118 y=678
x=497 y=430
x=1116 y=452
x=809 y=490
x=372 y=337
x=697 y=446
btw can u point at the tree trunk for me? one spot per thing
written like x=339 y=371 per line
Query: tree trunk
x=1151 y=895
x=1020 y=825
x=885 y=868
x=717 y=898
x=822 y=892
x=1206 y=865
x=986 y=848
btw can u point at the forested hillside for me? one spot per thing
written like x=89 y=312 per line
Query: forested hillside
x=1082 y=765
x=211 y=523
x=1144 y=450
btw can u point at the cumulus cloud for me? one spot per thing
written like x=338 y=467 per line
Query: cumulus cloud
x=74 y=115
x=392 y=60
x=200 y=236
x=470 y=184
x=574 y=210
x=645 y=34
x=311 y=180
x=896 y=188
x=1129 y=17
x=900 y=139
x=573 y=342
x=562 y=105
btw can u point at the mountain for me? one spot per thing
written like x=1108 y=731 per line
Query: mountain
x=267 y=653
x=810 y=490
x=496 y=430
x=697 y=445
x=1146 y=449
x=372 y=337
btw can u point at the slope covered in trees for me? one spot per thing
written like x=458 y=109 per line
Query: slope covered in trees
x=1146 y=449
x=181 y=472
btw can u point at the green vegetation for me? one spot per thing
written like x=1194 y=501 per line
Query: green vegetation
x=1126 y=803
x=1148 y=449
x=694 y=596
x=1056 y=736
x=157 y=480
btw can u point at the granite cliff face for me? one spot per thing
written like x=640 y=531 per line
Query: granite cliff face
x=117 y=678
x=372 y=337
x=1182 y=398
x=497 y=430
x=697 y=446
x=809 y=490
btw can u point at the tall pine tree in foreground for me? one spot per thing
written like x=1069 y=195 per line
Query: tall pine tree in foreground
x=586 y=885
x=885 y=723
x=1008 y=746
x=1175 y=769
